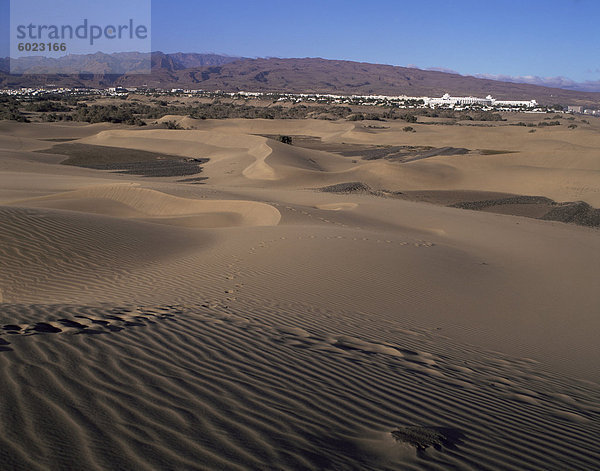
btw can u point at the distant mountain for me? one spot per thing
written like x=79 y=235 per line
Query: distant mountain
x=345 y=77
x=95 y=64
x=552 y=82
x=111 y=64
x=185 y=60
x=308 y=75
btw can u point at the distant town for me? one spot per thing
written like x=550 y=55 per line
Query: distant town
x=446 y=101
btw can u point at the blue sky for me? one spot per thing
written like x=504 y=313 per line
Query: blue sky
x=537 y=38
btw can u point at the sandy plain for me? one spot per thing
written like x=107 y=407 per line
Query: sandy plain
x=251 y=321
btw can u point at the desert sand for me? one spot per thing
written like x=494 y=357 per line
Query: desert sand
x=251 y=321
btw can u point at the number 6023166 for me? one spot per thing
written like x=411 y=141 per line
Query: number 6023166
x=41 y=47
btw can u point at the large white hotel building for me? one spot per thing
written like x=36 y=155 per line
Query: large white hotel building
x=448 y=100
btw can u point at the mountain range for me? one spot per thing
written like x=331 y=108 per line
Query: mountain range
x=301 y=75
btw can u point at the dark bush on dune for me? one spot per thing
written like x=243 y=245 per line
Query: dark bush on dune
x=172 y=125
x=285 y=139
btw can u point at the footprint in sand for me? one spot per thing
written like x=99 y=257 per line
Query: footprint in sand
x=424 y=437
x=4 y=345
x=113 y=321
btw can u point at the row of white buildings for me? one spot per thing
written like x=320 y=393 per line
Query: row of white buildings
x=450 y=101
x=446 y=101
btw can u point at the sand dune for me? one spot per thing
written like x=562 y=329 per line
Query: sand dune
x=150 y=387
x=71 y=130
x=260 y=169
x=252 y=321
x=558 y=164
x=127 y=200
x=337 y=206
x=67 y=255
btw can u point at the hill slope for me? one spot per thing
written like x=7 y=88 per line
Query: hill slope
x=214 y=72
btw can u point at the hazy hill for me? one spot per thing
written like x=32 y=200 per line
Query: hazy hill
x=185 y=60
x=113 y=64
x=215 y=72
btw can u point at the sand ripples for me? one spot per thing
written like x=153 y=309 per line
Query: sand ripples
x=210 y=387
x=47 y=254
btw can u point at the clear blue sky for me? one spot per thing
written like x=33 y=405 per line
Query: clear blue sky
x=544 y=38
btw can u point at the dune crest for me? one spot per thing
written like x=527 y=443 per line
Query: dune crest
x=337 y=206
x=152 y=204
x=260 y=169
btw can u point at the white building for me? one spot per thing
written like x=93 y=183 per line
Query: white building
x=526 y=103
x=117 y=90
x=451 y=101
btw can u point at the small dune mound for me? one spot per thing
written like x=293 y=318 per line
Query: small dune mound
x=124 y=200
x=174 y=121
x=337 y=206
x=67 y=255
x=259 y=169
x=348 y=187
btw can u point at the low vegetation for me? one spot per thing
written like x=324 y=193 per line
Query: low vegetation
x=136 y=112
x=285 y=139
x=9 y=109
x=172 y=125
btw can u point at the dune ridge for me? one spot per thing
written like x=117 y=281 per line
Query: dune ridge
x=260 y=169
x=154 y=204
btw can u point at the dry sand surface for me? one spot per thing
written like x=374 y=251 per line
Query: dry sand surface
x=251 y=321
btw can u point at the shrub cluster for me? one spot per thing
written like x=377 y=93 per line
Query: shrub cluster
x=285 y=139
x=548 y=123
x=9 y=109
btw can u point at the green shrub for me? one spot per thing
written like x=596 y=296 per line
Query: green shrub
x=409 y=118
x=172 y=125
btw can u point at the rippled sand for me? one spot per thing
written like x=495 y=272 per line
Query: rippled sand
x=253 y=322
